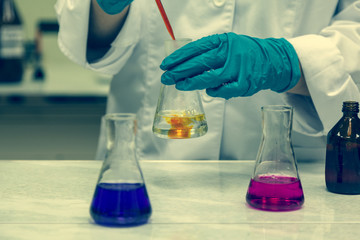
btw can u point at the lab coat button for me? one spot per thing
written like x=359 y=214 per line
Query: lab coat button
x=219 y=3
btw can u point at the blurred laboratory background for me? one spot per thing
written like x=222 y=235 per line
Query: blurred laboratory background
x=50 y=108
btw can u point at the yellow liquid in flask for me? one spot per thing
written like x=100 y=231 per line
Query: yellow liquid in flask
x=179 y=125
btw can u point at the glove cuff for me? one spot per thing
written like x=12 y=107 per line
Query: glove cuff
x=113 y=7
x=291 y=72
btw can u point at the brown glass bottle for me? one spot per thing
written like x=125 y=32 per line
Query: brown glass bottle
x=11 y=43
x=342 y=167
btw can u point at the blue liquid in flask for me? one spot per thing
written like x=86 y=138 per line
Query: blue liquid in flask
x=120 y=204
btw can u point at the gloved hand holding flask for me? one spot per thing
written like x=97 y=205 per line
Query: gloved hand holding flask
x=113 y=6
x=231 y=65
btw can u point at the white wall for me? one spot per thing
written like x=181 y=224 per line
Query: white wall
x=32 y=11
x=62 y=75
x=35 y=128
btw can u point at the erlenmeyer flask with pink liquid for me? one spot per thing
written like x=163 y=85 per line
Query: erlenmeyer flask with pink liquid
x=275 y=184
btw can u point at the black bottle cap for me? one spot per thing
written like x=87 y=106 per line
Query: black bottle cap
x=350 y=106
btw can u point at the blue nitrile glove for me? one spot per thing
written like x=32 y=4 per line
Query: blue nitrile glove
x=113 y=6
x=230 y=65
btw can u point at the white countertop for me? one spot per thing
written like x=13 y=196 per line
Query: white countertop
x=190 y=200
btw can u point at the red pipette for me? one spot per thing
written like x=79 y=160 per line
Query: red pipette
x=166 y=20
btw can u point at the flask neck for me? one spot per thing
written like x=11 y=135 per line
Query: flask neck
x=276 y=155
x=350 y=108
x=121 y=139
x=277 y=123
x=350 y=115
x=120 y=164
x=8 y=12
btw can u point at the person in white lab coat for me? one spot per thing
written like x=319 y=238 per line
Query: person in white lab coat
x=127 y=42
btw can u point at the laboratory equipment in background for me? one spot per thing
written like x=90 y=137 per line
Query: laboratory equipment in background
x=43 y=26
x=342 y=167
x=275 y=184
x=120 y=197
x=179 y=114
x=11 y=43
x=34 y=50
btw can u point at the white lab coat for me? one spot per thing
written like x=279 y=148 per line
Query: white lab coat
x=328 y=47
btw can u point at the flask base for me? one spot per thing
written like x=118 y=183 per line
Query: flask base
x=120 y=204
x=275 y=193
x=180 y=133
x=344 y=188
x=179 y=125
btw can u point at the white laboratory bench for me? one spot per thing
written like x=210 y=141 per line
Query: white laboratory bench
x=190 y=200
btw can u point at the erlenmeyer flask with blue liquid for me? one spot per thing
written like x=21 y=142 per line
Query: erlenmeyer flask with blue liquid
x=120 y=197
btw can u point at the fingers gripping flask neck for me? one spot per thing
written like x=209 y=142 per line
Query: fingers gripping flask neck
x=120 y=196
x=179 y=114
x=275 y=184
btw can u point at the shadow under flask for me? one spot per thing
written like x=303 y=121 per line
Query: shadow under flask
x=179 y=114
x=120 y=197
x=342 y=166
x=275 y=184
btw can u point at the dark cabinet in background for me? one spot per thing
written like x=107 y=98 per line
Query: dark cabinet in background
x=52 y=127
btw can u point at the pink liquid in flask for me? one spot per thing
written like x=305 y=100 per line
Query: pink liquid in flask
x=275 y=193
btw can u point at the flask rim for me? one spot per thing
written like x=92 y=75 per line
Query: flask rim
x=172 y=45
x=168 y=41
x=119 y=116
x=280 y=108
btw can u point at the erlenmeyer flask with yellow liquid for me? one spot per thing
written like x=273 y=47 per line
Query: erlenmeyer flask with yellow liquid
x=179 y=114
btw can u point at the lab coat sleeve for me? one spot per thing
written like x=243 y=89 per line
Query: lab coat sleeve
x=73 y=18
x=331 y=64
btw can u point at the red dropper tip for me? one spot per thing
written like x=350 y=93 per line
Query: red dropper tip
x=164 y=17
